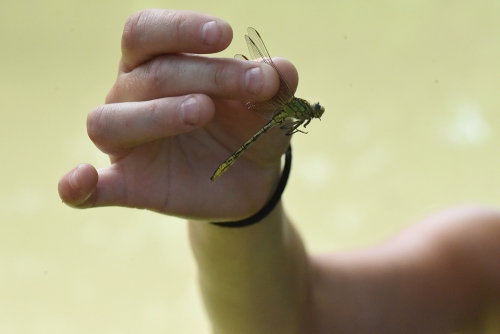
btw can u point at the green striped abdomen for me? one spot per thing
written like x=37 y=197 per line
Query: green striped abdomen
x=277 y=120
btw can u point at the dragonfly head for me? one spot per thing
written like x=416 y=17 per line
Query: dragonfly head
x=318 y=110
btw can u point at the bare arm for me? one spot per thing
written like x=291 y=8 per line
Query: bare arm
x=253 y=279
x=441 y=275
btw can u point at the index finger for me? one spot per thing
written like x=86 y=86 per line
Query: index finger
x=153 y=32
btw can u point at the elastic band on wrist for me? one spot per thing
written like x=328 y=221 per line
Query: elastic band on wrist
x=272 y=202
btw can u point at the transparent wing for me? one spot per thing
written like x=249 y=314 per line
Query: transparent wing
x=258 y=51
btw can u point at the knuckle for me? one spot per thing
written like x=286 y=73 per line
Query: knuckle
x=177 y=21
x=221 y=80
x=95 y=125
x=153 y=113
x=156 y=75
x=134 y=28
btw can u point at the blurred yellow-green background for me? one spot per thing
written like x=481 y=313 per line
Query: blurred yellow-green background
x=412 y=125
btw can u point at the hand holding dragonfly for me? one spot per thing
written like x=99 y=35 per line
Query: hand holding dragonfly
x=173 y=115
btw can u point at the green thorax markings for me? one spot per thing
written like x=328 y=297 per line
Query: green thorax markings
x=299 y=109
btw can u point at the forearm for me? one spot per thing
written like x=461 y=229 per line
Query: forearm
x=440 y=275
x=457 y=270
x=253 y=279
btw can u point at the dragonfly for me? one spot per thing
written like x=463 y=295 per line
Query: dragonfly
x=283 y=109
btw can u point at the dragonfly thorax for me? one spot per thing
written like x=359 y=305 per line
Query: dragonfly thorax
x=304 y=110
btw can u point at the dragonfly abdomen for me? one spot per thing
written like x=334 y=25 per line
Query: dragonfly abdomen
x=229 y=161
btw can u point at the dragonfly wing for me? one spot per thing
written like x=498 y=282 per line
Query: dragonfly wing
x=258 y=51
x=265 y=109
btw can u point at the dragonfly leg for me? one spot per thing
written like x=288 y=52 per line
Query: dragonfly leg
x=293 y=127
x=307 y=123
x=291 y=132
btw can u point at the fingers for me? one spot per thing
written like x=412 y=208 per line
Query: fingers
x=181 y=74
x=158 y=60
x=125 y=125
x=85 y=187
x=76 y=187
x=153 y=32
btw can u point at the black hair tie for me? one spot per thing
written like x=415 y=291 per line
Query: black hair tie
x=272 y=202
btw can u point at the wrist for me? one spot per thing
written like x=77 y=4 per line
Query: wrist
x=271 y=204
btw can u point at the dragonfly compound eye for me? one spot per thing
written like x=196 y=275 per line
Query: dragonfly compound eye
x=318 y=110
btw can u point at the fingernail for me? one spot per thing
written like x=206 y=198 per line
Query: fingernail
x=210 y=32
x=74 y=179
x=254 y=80
x=190 y=111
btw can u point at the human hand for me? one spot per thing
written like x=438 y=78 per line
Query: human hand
x=173 y=116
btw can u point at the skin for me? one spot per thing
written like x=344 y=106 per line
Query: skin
x=441 y=275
